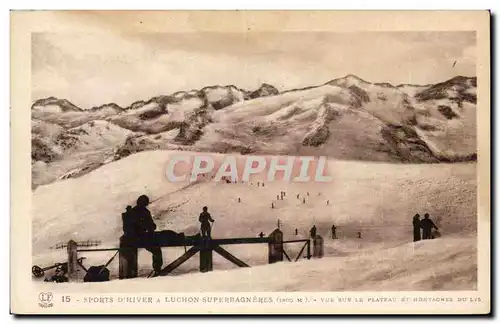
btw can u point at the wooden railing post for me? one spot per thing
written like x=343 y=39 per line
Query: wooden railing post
x=318 y=247
x=206 y=255
x=72 y=260
x=127 y=258
x=275 y=246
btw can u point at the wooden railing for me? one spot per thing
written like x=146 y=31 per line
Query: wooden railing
x=128 y=263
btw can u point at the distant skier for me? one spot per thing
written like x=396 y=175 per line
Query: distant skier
x=334 y=232
x=204 y=219
x=296 y=232
x=427 y=225
x=261 y=235
x=416 y=228
x=312 y=231
x=359 y=235
x=139 y=228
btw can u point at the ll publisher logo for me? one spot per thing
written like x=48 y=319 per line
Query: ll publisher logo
x=45 y=299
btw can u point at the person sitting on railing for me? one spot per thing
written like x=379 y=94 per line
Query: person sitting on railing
x=139 y=228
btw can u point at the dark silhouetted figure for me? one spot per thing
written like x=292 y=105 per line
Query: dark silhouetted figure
x=427 y=225
x=297 y=196
x=328 y=202
x=359 y=234
x=262 y=184
x=272 y=205
x=239 y=200
x=416 y=228
x=204 y=219
x=308 y=193
x=304 y=200
x=313 y=231
x=139 y=228
x=334 y=232
x=261 y=235
x=296 y=232
x=277 y=197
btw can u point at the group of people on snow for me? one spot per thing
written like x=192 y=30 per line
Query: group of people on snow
x=139 y=229
x=424 y=226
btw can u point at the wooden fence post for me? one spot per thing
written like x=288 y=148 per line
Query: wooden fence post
x=72 y=260
x=308 y=249
x=206 y=255
x=318 y=247
x=127 y=258
x=276 y=246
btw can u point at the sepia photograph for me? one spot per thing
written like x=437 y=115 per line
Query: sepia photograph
x=252 y=160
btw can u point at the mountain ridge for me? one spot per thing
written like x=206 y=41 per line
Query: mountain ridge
x=174 y=94
x=344 y=118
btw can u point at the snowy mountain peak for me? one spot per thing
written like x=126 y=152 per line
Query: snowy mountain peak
x=54 y=104
x=347 y=118
x=264 y=90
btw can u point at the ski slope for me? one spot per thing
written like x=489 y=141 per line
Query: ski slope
x=376 y=199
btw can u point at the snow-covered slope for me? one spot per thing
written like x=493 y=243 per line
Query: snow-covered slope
x=377 y=199
x=447 y=117
x=61 y=153
x=445 y=264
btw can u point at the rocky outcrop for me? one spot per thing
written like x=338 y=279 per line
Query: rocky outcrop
x=264 y=91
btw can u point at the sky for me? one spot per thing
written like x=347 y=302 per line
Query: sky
x=98 y=68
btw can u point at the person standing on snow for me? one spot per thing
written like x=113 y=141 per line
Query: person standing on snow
x=427 y=225
x=204 y=219
x=334 y=232
x=416 y=228
x=312 y=231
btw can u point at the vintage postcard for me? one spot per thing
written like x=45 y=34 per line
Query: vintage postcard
x=250 y=162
